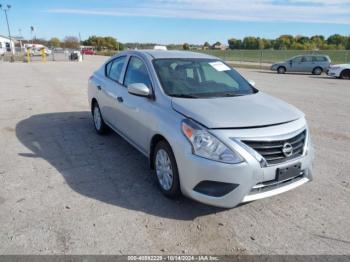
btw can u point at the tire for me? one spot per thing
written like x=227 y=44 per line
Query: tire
x=165 y=169
x=317 y=71
x=99 y=124
x=345 y=74
x=281 y=70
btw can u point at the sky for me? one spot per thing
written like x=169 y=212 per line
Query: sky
x=176 y=21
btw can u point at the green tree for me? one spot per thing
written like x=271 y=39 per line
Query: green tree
x=110 y=43
x=206 y=45
x=234 y=43
x=348 y=43
x=71 y=42
x=284 y=42
x=250 y=42
x=261 y=43
x=99 y=42
x=267 y=43
x=216 y=45
x=186 y=46
x=337 y=40
x=302 y=40
x=55 y=42
x=120 y=46
x=318 y=41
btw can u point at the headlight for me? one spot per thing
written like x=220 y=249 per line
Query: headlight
x=334 y=67
x=308 y=142
x=208 y=146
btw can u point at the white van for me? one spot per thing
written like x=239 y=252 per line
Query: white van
x=35 y=49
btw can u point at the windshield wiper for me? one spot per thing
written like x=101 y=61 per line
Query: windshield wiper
x=228 y=95
x=183 y=96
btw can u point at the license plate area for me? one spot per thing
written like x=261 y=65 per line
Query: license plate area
x=288 y=172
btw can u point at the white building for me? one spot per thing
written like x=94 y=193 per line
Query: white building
x=6 y=45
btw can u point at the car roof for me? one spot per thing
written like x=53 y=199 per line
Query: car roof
x=159 y=54
x=312 y=55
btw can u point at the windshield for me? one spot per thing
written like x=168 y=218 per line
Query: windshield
x=200 y=78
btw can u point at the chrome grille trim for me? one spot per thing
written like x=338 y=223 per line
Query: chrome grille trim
x=271 y=151
x=270 y=185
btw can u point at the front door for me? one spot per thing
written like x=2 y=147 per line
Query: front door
x=137 y=113
x=295 y=64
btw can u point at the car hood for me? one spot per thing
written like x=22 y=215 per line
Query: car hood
x=279 y=63
x=341 y=65
x=254 y=110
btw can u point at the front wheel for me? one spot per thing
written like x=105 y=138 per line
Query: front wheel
x=281 y=70
x=345 y=74
x=166 y=171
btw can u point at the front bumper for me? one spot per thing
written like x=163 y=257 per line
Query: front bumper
x=333 y=72
x=252 y=181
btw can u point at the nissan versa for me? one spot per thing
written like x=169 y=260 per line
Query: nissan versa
x=208 y=133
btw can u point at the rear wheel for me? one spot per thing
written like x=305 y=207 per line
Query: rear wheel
x=281 y=70
x=166 y=171
x=345 y=74
x=99 y=124
x=317 y=71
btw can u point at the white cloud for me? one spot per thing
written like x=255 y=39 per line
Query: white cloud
x=312 y=11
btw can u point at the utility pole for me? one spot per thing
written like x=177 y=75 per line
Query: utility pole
x=31 y=33
x=21 y=38
x=5 y=9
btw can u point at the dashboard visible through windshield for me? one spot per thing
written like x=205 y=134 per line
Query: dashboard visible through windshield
x=200 y=78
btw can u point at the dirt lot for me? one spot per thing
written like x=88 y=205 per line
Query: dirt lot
x=66 y=190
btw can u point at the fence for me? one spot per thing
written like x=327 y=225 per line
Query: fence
x=271 y=56
x=21 y=56
x=236 y=55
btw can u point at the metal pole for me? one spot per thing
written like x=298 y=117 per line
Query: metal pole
x=8 y=28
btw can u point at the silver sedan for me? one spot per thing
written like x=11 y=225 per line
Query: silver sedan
x=208 y=132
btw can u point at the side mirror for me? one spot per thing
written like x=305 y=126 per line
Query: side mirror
x=139 y=89
x=251 y=82
x=290 y=61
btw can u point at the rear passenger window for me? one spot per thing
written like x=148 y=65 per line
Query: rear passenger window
x=306 y=59
x=114 y=68
x=319 y=59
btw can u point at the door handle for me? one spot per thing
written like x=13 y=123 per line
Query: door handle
x=120 y=99
x=99 y=88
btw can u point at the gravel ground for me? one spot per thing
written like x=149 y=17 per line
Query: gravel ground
x=66 y=190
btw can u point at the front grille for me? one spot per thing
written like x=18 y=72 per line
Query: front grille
x=272 y=150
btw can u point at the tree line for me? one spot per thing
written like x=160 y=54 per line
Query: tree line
x=283 y=42
x=334 y=42
x=100 y=43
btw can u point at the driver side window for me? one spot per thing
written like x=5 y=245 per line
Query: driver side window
x=297 y=59
x=137 y=73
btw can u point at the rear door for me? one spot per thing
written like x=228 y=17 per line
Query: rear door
x=307 y=64
x=110 y=89
x=321 y=61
